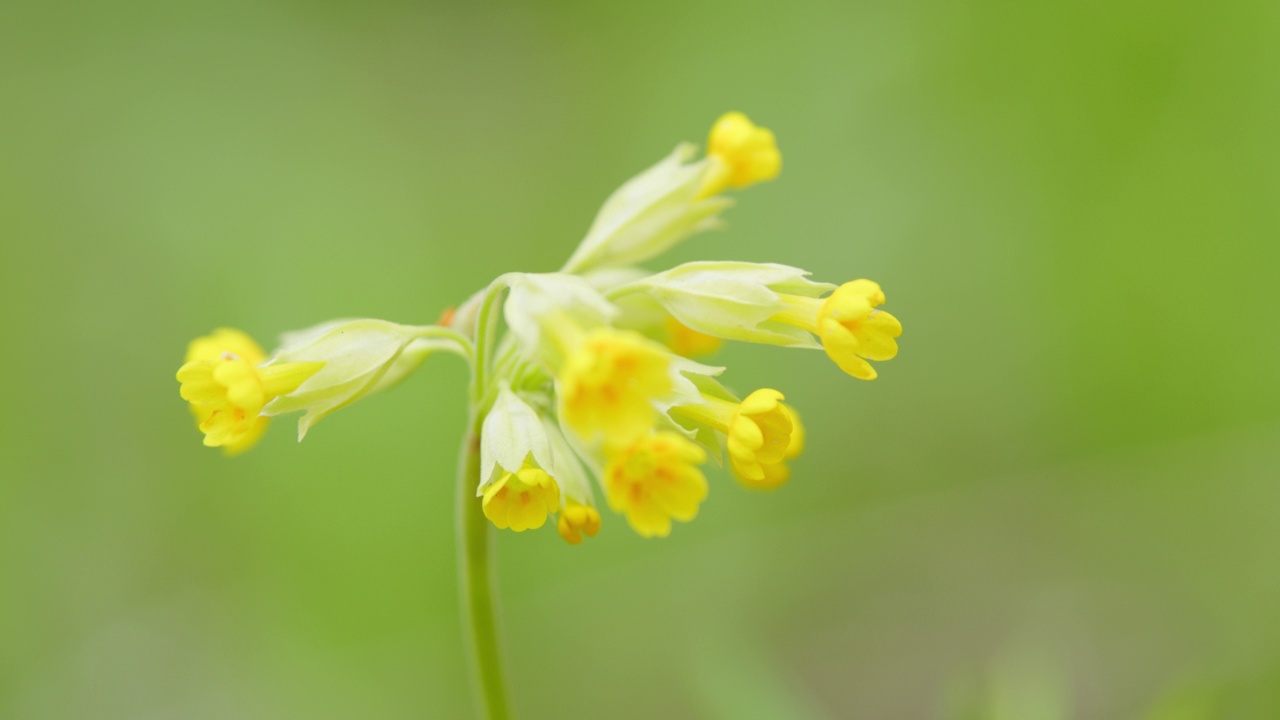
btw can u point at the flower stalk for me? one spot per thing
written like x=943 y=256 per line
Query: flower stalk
x=477 y=583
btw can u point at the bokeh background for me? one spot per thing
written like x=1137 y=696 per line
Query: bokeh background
x=1061 y=501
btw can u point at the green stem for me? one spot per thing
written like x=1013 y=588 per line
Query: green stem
x=479 y=587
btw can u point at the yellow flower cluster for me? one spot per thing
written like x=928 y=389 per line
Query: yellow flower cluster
x=593 y=379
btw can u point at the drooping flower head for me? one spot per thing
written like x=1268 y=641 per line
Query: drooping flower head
x=583 y=378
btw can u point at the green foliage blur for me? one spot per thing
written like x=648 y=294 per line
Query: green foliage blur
x=1062 y=500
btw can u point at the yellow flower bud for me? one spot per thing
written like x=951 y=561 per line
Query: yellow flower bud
x=577 y=520
x=742 y=152
x=848 y=322
x=854 y=331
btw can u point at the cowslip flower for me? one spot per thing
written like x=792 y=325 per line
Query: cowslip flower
x=527 y=471
x=778 y=305
x=228 y=389
x=761 y=434
x=521 y=500
x=582 y=380
x=609 y=381
x=656 y=480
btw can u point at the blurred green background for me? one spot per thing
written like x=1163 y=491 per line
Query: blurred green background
x=1060 y=501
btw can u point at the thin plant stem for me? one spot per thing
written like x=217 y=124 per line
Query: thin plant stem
x=476 y=573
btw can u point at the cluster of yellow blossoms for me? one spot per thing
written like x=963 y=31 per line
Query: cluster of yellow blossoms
x=593 y=376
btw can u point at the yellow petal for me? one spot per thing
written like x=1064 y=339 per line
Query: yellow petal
x=214 y=346
x=198 y=385
x=876 y=336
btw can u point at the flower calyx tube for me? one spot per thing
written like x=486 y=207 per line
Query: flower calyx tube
x=777 y=305
x=234 y=388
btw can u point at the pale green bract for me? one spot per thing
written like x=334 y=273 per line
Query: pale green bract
x=650 y=213
x=575 y=483
x=543 y=306
x=515 y=434
x=512 y=434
